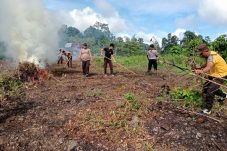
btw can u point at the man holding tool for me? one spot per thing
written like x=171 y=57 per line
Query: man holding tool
x=216 y=69
x=108 y=52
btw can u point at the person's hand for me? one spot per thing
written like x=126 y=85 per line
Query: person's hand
x=198 y=71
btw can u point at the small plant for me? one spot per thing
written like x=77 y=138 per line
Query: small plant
x=132 y=101
x=189 y=97
x=10 y=88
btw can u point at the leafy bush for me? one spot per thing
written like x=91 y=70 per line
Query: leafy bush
x=132 y=101
x=10 y=88
x=189 y=97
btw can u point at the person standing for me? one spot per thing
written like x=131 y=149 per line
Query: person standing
x=152 y=56
x=70 y=59
x=60 y=58
x=216 y=68
x=108 y=52
x=85 y=56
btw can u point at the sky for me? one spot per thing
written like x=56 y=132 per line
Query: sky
x=145 y=18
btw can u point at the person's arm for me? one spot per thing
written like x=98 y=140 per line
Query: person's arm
x=90 y=54
x=156 y=53
x=206 y=69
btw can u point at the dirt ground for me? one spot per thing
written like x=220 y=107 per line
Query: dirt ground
x=76 y=113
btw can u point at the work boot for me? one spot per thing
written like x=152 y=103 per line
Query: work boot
x=221 y=100
x=206 y=111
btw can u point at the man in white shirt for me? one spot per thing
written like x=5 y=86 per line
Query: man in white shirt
x=152 y=56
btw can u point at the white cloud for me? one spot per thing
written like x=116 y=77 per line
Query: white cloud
x=186 y=21
x=213 y=11
x=105 y=8
x=86 y=17
x=179 y=33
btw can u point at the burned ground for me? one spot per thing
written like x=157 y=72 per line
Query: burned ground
x=71 y=112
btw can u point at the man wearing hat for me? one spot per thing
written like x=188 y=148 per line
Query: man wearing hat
x=216 y=68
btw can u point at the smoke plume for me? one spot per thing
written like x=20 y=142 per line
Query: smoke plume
x=28 y=30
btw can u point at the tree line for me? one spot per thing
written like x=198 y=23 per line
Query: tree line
x=99 y=35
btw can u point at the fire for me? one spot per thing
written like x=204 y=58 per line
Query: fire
x=29 y=72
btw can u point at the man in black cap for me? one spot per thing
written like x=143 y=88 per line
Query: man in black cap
x=108 y=52
x=216 y=68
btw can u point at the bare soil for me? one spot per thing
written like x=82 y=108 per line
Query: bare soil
x=75 y=113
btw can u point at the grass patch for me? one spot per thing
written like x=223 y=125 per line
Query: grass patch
x=93 y=93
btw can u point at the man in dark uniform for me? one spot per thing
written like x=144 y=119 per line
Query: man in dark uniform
x=108 y=52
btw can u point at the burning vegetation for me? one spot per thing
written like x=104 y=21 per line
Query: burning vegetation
x=29 y=72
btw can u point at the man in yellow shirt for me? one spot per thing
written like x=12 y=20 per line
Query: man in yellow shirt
x=216 y=68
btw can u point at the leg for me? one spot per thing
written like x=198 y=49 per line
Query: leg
x=71 y=62
x=209 y=91
x=155 y=65
x=105 y=65
x=84 y=67
x=111 y=66
x=149 y=66
x=219 y=92
x=87 y=67
x=61 y=60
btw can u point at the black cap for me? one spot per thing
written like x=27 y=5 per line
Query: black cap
x=202 y=47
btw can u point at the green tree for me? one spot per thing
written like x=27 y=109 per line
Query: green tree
x=120 y=39
x=207 y=40
x=188 y=36
x=140 y=40
x=73 y=32
x=93 y=33
x=193 y=45
x=220 y=45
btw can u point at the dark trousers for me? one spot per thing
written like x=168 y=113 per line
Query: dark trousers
x=70 y=62
x=108 y=61
x=210 y=90
x=60 y=60
x=152 y=62
x=85 y=67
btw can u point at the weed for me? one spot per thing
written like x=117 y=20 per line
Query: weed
x=132 y=101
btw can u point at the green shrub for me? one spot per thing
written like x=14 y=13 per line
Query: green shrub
x=188 y=97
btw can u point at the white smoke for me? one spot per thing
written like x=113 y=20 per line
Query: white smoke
x=29 y=30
